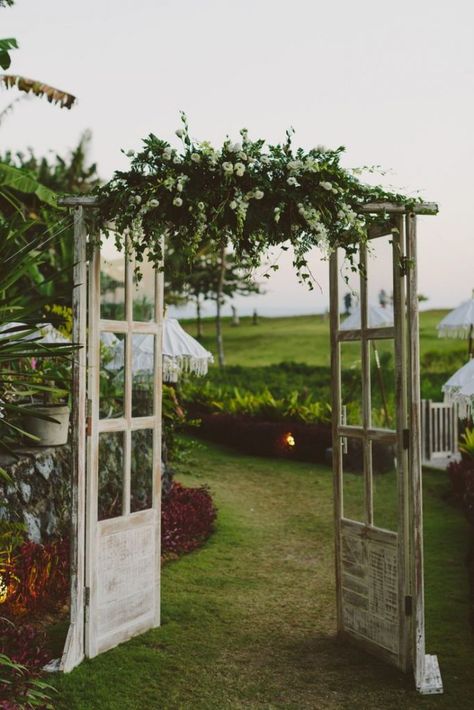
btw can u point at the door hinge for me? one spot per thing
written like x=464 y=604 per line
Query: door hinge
x=408 y=606
x=87 y=596
x=406 y=438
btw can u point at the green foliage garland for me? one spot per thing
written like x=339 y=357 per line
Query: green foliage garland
x=245 y=194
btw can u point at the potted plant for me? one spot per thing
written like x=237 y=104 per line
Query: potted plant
x=47 y=419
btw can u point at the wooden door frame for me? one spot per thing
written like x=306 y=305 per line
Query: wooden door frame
x=424 y=666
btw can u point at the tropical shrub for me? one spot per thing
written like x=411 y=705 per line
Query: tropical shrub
x=35 y=576
x=22 y=656
x=187 y=519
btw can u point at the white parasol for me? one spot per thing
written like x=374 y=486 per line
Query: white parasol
x=181 y=352
x=457 y=382
x=459 y=323
x=377 y=317
x=49 y=334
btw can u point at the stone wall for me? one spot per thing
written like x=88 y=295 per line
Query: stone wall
x=39 y=493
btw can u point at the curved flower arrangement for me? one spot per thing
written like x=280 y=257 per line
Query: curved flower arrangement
x=247 y=194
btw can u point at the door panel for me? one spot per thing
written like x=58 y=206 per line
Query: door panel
x=124 y=451
x=369 y=414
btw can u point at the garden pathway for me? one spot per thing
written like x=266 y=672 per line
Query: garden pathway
x=248 y=620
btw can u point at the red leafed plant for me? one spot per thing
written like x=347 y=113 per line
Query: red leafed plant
x=22 y=657
x=187 y=519
x=38 y=576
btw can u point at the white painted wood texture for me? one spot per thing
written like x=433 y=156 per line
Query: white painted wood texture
x=73 y=652
x=379 y=573
x=122 y=553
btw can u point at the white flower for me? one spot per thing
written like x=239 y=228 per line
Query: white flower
x=276 y=214
x=130 y=153
x=228 y=168
x=236 y=148
x=258 y=194
x=137 y=199
x=179 y=187
x=292 y=181
x=242 y=155
x=195 y=157
x=326 y=186
x=201 y=206
x=341 y=214
x=153 y=203
x=295 y=165
x=177 y=202
x=180 y=132
x=265 y=159
x=166 y=155
x=233 y=205
x=239 y=169
x=176 y=160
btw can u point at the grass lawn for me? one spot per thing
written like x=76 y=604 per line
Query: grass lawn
x=248 y=621
x=302 y=339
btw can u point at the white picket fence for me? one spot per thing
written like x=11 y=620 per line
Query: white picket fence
x=439 y=430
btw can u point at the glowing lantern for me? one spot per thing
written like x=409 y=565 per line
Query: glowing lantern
x=3 y=590
x=289 y=439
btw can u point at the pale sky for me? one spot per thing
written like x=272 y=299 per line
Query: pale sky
x=391 y=82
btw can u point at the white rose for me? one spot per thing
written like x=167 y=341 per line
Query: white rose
x=326 y=186
x=292 y=181
x=137 y=199
x=177 y=202
x=242 y=155
x=236 y=148
x=258 y=194
x=239 y=169
x=228 y=168
x=153 y=203
x=201 y=206
x=166 y=154
x=195 y=157
x=180 y=132
x=233 y=205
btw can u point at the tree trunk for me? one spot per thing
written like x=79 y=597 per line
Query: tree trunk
x=220 y=288
x=198 y=319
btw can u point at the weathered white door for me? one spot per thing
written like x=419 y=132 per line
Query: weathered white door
x=124 y=451
x=379 y=560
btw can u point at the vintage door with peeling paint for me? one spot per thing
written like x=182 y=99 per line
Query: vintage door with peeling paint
x=379 y=572
x=124 y=450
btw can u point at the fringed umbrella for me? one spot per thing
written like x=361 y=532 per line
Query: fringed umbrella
x=463 y=377
x=182 y=353
x=377 y=317
x=459 y=323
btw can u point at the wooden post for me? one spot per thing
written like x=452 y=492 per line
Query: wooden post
x=336 y=419
x=74 y=647
x=399 y=310
x=366 y=389
x=426 y=669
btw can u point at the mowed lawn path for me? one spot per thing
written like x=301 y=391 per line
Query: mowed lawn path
x=248 y=621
